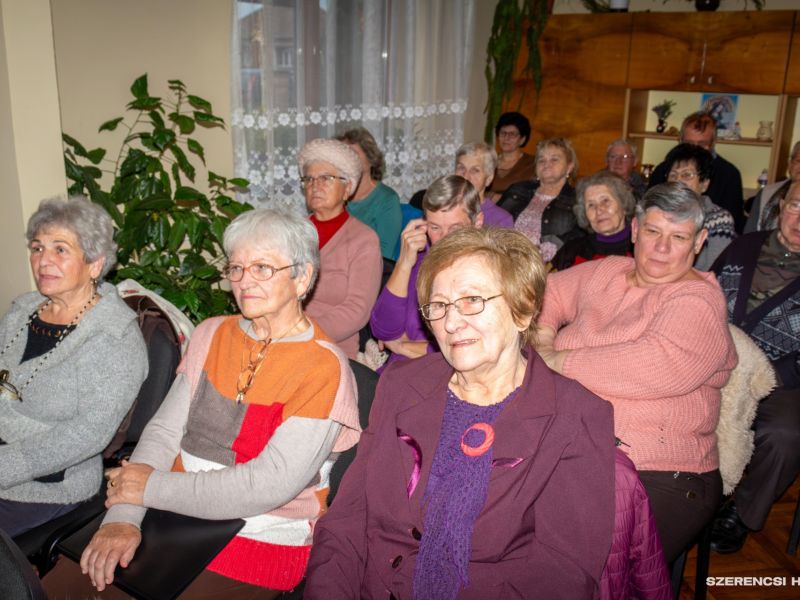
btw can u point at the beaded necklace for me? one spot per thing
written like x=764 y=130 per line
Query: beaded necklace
x=6 y=387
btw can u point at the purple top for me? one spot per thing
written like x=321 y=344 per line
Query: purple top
x=494 y=215
x=393 y=316
x=620 y=236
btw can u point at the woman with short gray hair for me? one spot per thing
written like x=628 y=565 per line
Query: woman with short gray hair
x=649 y=334
x=604 y=209
x=72 y=359
x=262 y=404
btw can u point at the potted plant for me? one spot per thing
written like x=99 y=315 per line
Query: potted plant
x=169 y=233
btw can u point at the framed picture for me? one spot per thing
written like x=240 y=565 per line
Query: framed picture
x=723 y=108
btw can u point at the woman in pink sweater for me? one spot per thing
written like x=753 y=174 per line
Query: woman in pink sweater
x=649 y=335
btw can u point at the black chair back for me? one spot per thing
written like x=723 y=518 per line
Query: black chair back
x=17 y=579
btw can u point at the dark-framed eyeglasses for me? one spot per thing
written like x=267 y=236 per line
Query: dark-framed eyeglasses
x=258 y=271
x=7 y=388
x=325 y=181
x=466 y=306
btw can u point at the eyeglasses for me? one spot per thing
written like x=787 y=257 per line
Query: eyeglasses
x=615 y=157
x=681 y=175
x=466 y=306
x=259 y=271
x=793 y=208
x=325 y=181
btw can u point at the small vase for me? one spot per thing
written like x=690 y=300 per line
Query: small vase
x=706 y=5
x=764 y=132
x=662 y=125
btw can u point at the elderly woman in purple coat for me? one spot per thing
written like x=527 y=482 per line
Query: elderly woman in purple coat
x=482 y=474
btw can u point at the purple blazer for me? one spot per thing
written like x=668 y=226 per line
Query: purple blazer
x=546 y=528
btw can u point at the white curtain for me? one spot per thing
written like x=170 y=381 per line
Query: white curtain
x=305 y=69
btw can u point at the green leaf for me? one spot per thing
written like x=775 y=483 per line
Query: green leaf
x=148 y=258
x=206 y=272
x=207 y=120
x=139 y=87
x=96 y=155
x=156 y=119
x=135 y=162
x=176 y=235
x=214 y=178
x=199 y=103
x=240 y=182
x=163 y=138
x=195 y=147
x=183 y=162
x=185 y=123
x=145 y=104
x=155 y=203
x=191 y=300
x=110 y=125
x=77 y=147
x=188 y=193
x=218 y=226
x=176 y=85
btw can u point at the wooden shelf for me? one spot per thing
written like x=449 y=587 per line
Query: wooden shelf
x=652 y=135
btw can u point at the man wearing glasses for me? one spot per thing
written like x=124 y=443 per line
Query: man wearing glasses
x=725 y=187
x=621 y=160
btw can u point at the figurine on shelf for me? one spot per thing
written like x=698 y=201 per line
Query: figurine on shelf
x=737 y=131
x=663 y=111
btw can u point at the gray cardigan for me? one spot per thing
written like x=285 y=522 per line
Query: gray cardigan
x=74 y=404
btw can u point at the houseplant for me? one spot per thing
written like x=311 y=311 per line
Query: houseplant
x=169 y=233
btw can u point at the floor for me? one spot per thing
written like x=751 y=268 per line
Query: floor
x=764 y=555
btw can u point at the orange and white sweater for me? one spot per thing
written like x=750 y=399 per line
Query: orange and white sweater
x=266 y=460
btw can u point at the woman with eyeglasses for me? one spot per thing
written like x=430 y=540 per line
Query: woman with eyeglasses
x=513 y=132
x=262 y=404
x=350 y=252
x=473 y=476
x=649 y=335
x=760 y=277
x=543 y=208
x=72 y=359
x=690 y=165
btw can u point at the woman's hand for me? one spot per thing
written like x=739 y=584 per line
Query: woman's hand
x=126 y=484
x=405 y=347
x=113 y=544
x=545 y=339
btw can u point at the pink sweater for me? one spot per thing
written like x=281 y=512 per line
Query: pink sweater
x=660 y=355
x=348 y=284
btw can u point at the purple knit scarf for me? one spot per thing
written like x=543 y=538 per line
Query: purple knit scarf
x=454 y=497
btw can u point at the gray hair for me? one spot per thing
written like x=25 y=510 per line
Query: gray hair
x=486 y=152
x=340 y=155
x=90 y=223
x=621 y=142
x=565 y=146
x=620 y=191
x=795 y=150
x=449 y=191
x=681 y=204
x=288 y=233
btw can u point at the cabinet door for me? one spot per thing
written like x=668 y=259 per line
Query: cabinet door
x=793 y=71
x=743 y=52
x=584 y=60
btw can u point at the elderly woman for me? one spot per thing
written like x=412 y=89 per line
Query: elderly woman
x=604 y=208
x=760 y=277
x=350 y=253
x=72 y=359
x=764 y=212
x=476 y=162
x=691 y=165
x=513 y=132
x=451 y=203
x=543 y=209
x=287 y=401
x=374 y=203
x=431 y=508
x=649 y=335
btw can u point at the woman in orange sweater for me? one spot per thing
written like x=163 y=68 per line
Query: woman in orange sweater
x=649 y=335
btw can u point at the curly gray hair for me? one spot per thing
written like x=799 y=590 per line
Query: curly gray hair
x=88 y=221
x=620 y=191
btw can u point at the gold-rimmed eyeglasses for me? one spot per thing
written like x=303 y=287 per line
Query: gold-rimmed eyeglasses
x=466 y=306
x=258 y=271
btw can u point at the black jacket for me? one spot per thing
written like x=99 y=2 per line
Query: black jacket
x=558 y=220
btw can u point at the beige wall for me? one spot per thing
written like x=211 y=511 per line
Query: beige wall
x=101 y=46
x=31 y=160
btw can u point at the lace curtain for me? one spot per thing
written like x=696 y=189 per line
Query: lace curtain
x=305 y=69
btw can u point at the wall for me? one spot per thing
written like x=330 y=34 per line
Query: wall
x=101 y=46
x=31 y=160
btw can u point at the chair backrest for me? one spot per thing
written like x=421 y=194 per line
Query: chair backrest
x=367 y=381
x=17 y=578
x=163 y=354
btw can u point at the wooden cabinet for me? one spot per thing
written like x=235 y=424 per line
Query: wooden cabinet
x=743 y=52
x=584 y=59
x=793 y=70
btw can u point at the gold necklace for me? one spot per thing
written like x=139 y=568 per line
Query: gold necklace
x=248 y=374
